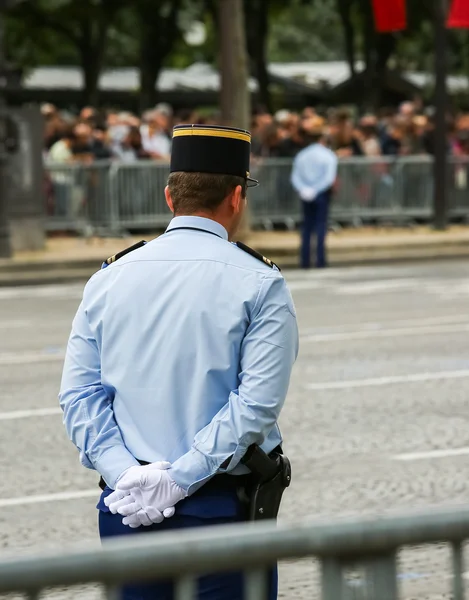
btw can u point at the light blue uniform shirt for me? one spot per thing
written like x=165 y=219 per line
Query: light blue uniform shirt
x=314 y=171
x=182 y=351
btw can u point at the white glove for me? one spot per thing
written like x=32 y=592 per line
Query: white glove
x=307 y=193
x=146 y=495
x=120 y=498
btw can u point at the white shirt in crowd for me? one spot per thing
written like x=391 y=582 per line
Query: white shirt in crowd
x=157 y=142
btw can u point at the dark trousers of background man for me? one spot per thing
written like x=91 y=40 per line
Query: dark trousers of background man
x=315 y=221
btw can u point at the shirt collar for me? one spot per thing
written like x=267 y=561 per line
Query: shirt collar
x=199 y=223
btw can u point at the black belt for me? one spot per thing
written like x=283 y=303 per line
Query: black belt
x=221 y=482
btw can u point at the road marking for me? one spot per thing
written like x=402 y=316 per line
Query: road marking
x=432 y=454
x=376 y=333
x=40 y=499
x=22 y=358
x=301 y=285
x=26 y=414
x=12 y=324
x=56 y=292
x=379 y=381
x=389 y=324
x=379 y=286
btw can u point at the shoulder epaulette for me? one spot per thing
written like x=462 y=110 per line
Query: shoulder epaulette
x=257 y=255
x=122 y=253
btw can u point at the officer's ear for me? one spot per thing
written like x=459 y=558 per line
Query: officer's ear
x=237 y=200
x=169 y=201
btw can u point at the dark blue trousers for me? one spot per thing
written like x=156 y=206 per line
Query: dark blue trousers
x=220 y=586
x=315 y=221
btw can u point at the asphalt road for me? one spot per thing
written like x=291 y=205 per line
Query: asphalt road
x=381 y=384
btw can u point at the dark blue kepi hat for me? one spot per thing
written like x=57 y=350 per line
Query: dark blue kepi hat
x=212 y=149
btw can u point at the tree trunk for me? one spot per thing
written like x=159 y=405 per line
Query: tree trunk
x=92 y=47
x=257 y=29
x=91 y=72
x=344 y=9
x=150 y=67
x=235 y=96
x=370 y=56
x=158 y=34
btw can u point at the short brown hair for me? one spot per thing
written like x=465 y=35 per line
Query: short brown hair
x=194 y=192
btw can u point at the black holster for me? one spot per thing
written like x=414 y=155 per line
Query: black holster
x=270 y=476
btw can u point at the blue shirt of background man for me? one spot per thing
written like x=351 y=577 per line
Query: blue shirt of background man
x=314 y=171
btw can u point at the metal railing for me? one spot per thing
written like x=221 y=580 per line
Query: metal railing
x=358 y=558
x=115 y=197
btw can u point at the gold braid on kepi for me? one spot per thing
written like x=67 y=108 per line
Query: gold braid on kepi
x=212 y=149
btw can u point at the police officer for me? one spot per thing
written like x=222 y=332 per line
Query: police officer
x=179 y=360
x=313 y=176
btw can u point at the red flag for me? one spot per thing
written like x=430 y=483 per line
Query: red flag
x=390 y=15
x=459 y=14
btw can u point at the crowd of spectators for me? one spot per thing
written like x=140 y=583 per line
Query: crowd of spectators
x=405 y=131
x=104 y=135
x=95 y=135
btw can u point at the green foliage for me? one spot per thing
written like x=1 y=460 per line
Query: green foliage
x=306 y=32
x=115 y=33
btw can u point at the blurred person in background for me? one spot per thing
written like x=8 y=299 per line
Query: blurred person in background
x=130 y=151
x=385 y=119
x=91 y=143
x=268 y=142
x=131 y=148
x=284 y=120
x=460 y=135
x=418 y=130
x=428 y=136
x=392 y=140
x=428 y=140
x=90 y=146
x=163 y=108
x=62 y=180
x=308 y=112
x=313 y=176
x=185 y=117
x=407 y=110
x=458 y=168
x=89 y=115
x=295 y=141
x=367 y=135
x=62 y=150
x=291 y=142
x=342 y=139
x=261 y=120
x=118 y=125
x=82 y=149
x=100 y=146
x=54 y=125
x=212 y=118
x=155 y=139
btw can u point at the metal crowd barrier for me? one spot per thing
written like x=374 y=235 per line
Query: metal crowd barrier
x=78 y=196
x=114 y=197
x=358 y=558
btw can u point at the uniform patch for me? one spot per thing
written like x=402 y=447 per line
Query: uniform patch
x=257 y=255
x=122 y=253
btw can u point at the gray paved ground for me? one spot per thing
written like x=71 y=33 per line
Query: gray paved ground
x=383 y=371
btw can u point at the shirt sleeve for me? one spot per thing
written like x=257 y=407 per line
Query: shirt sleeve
x=88 y=414
x=330 y=171
x=268 y=353
x=301 y=181
x=298 y=181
